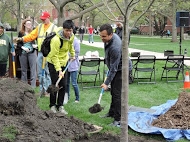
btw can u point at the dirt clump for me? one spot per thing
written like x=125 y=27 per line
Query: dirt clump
x=95 y=108
x=178 y=116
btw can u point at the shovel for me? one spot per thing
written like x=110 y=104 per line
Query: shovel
x=97 y=107
x=13 y=58
x=54 y=88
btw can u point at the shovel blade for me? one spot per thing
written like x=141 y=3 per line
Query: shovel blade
x=66 y=98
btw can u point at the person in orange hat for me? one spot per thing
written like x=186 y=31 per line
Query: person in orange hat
x=40 y=33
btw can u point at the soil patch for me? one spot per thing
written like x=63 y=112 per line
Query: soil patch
x=19 y=112
x=178 y=116
x=95 y=108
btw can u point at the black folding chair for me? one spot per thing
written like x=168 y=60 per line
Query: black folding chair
x=89 y=67
x=145 y=64
x=172 y=68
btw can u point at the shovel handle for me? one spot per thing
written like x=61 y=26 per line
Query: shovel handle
x=100 y=97
x=60 y=77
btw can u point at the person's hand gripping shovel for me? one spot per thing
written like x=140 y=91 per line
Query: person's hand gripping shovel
x=97 y=107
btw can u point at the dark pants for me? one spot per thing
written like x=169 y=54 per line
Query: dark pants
x=3 y=68
x=62 y=84
x=115 y=106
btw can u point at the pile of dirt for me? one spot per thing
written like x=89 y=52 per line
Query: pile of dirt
x=18 y=109
x=19 y=112
x=178 y=116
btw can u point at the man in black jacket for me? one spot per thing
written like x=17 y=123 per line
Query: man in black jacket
x=81 y=33
x=113 y=59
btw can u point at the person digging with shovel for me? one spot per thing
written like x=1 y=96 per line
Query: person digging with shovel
x=57 y=61
x=113 y=59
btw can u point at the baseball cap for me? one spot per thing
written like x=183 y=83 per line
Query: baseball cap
x=44 y=15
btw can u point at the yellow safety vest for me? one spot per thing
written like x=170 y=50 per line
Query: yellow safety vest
x=42 y=34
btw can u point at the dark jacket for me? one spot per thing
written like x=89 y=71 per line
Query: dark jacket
x=113 y=56
x=81 y=31
x=118 y=31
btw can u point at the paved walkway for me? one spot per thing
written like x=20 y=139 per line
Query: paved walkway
x=143 y=52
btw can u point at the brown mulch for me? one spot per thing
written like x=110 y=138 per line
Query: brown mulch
x=18 y=109
x=178 y=116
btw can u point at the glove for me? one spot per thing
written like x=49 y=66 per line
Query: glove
x=19 y=39
x=25 y=49
x=35 y=46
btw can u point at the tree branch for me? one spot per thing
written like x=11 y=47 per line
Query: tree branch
x=143 y=13
x=86 y=10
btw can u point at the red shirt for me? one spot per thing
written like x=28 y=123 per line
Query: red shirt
x=90 y=30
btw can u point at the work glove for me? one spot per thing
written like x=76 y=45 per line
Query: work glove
x=35 y=46
x=25 y=49
x=19 y=39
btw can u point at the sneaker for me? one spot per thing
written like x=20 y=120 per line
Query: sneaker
x=53 y=109
x=62 y=110
x=115 y=124
x=46 y=94
x=76 y=101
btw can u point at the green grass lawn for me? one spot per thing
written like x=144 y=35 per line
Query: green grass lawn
x=143 y=95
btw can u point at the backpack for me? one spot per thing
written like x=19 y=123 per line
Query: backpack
x=45 y=47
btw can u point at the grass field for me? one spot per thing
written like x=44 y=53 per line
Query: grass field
x=143 y=95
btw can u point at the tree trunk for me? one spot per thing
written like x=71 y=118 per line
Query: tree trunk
x=18 y=16
x=150 y=24
x=174 y=29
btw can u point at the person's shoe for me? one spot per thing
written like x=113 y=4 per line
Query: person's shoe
x=62 y=110
x=46 y=94
x=53 y=109
x=76 y=101
x=106 y=115
x=115 y=124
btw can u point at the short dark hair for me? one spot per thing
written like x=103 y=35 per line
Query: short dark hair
x=106 y=27
x=68 y=24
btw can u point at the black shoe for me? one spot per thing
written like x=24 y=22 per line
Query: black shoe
x=106 y=115
x=115 y=124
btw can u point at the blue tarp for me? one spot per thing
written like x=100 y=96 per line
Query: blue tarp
x=141 y=122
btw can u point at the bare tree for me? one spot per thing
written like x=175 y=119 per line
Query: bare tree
x=126 y=8
x=59 y=5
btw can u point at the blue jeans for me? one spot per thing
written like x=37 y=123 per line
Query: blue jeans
x=46 y=78
x=90 y=38
x=73 y=77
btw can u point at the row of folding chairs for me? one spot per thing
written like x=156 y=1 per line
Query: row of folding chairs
x=144 y=68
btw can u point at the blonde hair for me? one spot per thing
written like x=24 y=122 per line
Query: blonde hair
x=23 y=27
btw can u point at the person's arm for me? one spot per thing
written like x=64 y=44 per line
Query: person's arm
x=115 y=57
x=77 y=47
x=31 y=36
x=71 y=48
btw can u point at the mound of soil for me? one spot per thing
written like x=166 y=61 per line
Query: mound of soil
x=178 y=116
x=19 y=111
x=18 y=108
